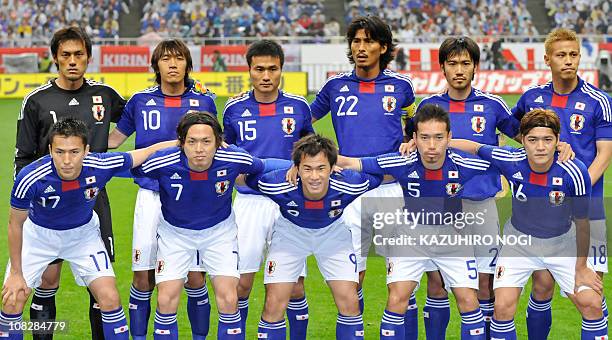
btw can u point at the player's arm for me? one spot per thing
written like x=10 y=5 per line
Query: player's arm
x=584 y=275
x=141 y=155
x=351 y=163
x=465 y=145
x=116 y=138
x=15 y=283
x=320 y=106
x=601 y=161
x=27 y=137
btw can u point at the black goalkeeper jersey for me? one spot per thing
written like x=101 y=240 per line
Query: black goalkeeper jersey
x=94 y=103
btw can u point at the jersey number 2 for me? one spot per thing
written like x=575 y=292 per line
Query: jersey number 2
x=351 y=101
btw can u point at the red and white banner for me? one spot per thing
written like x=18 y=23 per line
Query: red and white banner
x=234 y=57
x=125 y=59
x=20 y=50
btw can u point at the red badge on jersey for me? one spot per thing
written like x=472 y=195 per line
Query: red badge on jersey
x=433 y=175
x=172 y=101
x=313 y=204
x=198 y=176
x=267 y=109
x=454 y=106
x=367 y=87
x=538 y=179
x=70 y=185
x=559 y=101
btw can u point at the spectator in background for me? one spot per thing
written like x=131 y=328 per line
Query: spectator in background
x=282 y=28
x=400 y=59
x=44 y=63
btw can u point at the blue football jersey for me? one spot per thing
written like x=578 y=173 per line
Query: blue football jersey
x=197 y=200
x=543 y=204
x=476 y=118
x=586 y=116
x=266 y=130
x=344 y=188
x=366 y=114
x=61 y=205
x=429 y=191
x=155 y=116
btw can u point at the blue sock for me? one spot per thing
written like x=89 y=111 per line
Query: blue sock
x=473 y=325
x=486 y=307
x=349 y=327
x=604 y=307
x=272 y=330
x=229 y=326
x=411 y=319
x=5 y=327
x=297 y=313
x=114 y=324
x=503 y=329
x=594 y=329
x=436 y=315
x=198 y=310
x=539 y=318
x=361 y=303
x=243 y=308
x=139 y=310
x=392 y=326
x=166 y=327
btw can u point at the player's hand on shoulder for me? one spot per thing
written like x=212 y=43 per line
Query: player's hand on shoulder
x=291 y=175
x=224 y=145
x=586 y=277
x=239 y=95
x=406 y=148
x=565 y=152
x=337 y=169
x=14 y=286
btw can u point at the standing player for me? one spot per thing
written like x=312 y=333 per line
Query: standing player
x=585 y=113
x=547 y=196
x=154 y=114
x=366 y=107
x=52 y=217
x=265 y=122
x=474 y=115
x=434 y=177
x=69 y=95
x=311 y=223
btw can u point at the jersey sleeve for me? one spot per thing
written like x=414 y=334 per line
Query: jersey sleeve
x=212 y=108
x=409 y=97
x=505 y=123
x=307 y=129
x=469 y=165
x=374 y=181
x=114 y=162
x=23 y=192
x=148 y=168
x=603 y=119
x=118 y=104
x=519 y=110
x=126 y=124
x=27 y=136
x=499 y=156
x=392 y=164
x=228 y=130
x=580 y=187
x=320 y=106
x=271 y=164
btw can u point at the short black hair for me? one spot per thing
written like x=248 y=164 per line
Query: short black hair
x=429 y=112
x=69 y=127
x=451 y=47
x=265 y=48
x=312 y=145
x=378 y=31
x=192 y=118
x=174 y=47
x=70 y=33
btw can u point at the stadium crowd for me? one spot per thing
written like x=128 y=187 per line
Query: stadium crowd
x=584 y=16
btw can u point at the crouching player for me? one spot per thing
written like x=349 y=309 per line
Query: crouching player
x=52 y=217
x=311 y=223
x=547 y=196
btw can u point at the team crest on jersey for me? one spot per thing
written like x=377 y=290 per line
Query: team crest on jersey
x=453 y=189
x=288 y=125
x=98 y=112
x=270 y=267
x=221 y=187
x=160 y=266
x=478 y=124
x=335 y=213
x=576 y=122
x=137 y=256
x=91 y=193
x=556 y=197
x=389 y=103
x=499 y=272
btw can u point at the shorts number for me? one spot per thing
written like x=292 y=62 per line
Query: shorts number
x=111 y=245
x=600 y=258
x=471 y=266
x=518 y=193
x=413 y=189
x=349 y=112
x=494 y=260
x=247 y=130
x=235 y=252
x=353 y=259
x=151 y=119
x=95 y=261
x=55 y=199
x=179 y=191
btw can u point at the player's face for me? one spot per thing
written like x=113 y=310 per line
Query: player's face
x=540 y=145
x=200 y=147
x=67 y=154
x=172 y=68
x=366 y=51
x=459 y=70
x=432 y=141
x=314 y=173
x=72 y=60
x=564 y=59
x=265 y=73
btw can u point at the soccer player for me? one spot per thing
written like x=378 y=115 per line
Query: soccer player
x=434 y=177
x=585 y=113
x=265 y=122
x=69 y=95
x=311 y=223
x=366 y=107
x=52 y=217
x=547 y=196
x=197 y=224
x=474 y=115
x=153 y=115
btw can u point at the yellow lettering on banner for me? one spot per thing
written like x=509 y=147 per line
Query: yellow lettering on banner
x=223 y=84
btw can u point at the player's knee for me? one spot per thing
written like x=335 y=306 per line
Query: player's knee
x=51 y=277
x=542 y=289
x=227 y=300
x=397 y=300
x=435 y=289
x=245 y=285
x=298 y=290
x=108 y=299
x=589 y=305
x=504 y=308
x=166 y=302
x=144 y=281
x=195 y=280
